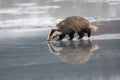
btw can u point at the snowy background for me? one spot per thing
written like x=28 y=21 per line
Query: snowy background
x=46 y=13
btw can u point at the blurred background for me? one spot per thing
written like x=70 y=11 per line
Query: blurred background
x=45 y=13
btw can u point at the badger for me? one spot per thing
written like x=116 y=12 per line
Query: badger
x=71 y=25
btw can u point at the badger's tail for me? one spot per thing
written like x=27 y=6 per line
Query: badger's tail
x=93 y=28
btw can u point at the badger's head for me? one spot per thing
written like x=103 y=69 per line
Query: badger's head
x=54 y=33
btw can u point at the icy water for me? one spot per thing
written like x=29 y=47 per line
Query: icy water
x=25 y=53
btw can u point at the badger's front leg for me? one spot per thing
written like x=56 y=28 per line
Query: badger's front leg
x=71 y=35
x=61 y=37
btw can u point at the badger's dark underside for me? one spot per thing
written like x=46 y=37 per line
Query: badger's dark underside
x=80 y=34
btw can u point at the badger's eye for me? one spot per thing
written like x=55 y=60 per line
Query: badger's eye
x=52 y=31
x=55 y=30
x=58 y=30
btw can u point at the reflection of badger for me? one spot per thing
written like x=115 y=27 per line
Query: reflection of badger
x=73 y=53
x=71 y=25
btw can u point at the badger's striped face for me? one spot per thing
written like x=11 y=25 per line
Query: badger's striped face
x=53 y=33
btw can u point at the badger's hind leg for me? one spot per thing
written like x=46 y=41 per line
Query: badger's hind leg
x=61 y=37
x=89 y=33
x=81 y=35
x=71 y=35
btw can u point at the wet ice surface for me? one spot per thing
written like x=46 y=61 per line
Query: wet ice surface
x=25 y=54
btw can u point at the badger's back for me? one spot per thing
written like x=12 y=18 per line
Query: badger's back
x=75 y=23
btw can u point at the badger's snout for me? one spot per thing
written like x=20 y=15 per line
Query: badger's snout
x=53 y=34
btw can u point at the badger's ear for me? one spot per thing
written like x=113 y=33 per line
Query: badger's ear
x=62 y=23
